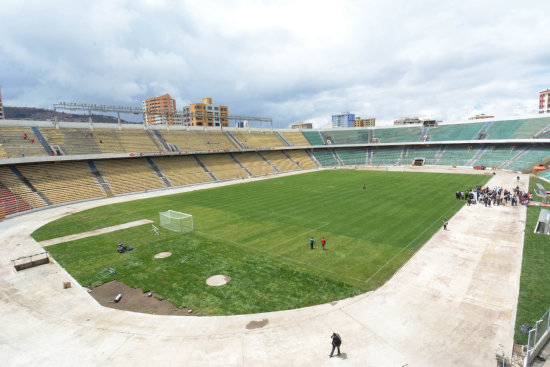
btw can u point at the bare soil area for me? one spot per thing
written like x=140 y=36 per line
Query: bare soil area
x=134 y=299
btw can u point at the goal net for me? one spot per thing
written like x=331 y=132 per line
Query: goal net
x=176 y=221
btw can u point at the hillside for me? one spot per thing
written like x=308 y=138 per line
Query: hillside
x=43 y=114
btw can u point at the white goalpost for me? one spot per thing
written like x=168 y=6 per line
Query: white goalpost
x=176 y=221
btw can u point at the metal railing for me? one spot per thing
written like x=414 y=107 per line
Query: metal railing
x=538 y=336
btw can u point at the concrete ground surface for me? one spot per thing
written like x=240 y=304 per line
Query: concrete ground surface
x=95 y=232
x=452 y=304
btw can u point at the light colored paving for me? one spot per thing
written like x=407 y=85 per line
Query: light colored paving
x=452 y=304
x=95 y=232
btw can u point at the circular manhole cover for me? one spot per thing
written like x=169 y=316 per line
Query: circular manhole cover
x=217 y=280
x=162 y=255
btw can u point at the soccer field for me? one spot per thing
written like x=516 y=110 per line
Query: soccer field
x=257 y=233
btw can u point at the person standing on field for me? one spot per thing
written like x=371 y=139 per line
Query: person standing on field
x=323 y=242
x=311 y=242
x=336 y=342
x=364 y=187
x=445 y=223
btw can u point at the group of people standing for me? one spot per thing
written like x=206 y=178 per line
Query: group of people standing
x=312 y=242
x=496 y=196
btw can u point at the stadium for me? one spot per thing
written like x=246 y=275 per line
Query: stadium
x=397 y=287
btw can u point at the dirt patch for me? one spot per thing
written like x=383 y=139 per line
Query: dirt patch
x=134 y=299
x=257 y=324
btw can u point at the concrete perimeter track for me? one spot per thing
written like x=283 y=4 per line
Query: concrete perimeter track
x=452 y=304
x=95 y=232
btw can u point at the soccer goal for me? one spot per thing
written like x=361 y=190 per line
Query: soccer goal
x=176 y=221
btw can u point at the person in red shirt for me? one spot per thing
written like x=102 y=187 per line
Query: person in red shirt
x=323 y=242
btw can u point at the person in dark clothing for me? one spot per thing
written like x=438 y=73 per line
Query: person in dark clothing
x=445 y=223
x=336 y=342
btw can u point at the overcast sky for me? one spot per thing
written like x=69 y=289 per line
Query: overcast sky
x=290 y=60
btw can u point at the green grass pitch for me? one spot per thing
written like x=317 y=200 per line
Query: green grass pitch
x=534 y=292
x=257 y=233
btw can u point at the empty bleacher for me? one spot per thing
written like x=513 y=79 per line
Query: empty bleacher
x=13 y=143
x=256 y=139
x=254 y=163
x=15 y=185
x=382 y=156
x=325 y=157
x=10 y=202
x=531 y=127
x=466 y=131
x=353 y=156
x=192 y=141
x=125 y=141
x=302 y=158
x=295 y=138
x=314 y=137
x=401 y=134
x=503 y=129
x=181 y=170
x=495 y=155
x=356 y=136
x=222 y=166
x=534 y=154
x=458 y=154
x=128 y=175
x=62 y=182
x=71 y=141
x=279 y=160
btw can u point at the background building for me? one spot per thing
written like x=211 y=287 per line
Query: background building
x=302 y=125
x=160 y=110
x=343 y=120
x=480 y=117
x=544 y=101
x=407 y=121
x=370 y=122
x=205 y=114
x=2 y=116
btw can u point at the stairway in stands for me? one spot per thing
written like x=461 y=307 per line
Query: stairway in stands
x=476 y=156
x=439 y=154
x=158 y=172
x=41 y=139
x=481 y=135
x=155 y=136
x=403 y=154
x=204 y=168
x=29 y=185
x=515 y=158
x=268 y=162
x=99 y=179
x=281 y=137
x=234 y=140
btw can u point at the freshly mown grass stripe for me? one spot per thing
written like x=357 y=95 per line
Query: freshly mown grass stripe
x=534 y=292
x=259 y=231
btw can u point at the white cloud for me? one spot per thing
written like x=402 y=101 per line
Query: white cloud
x=292 y=60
